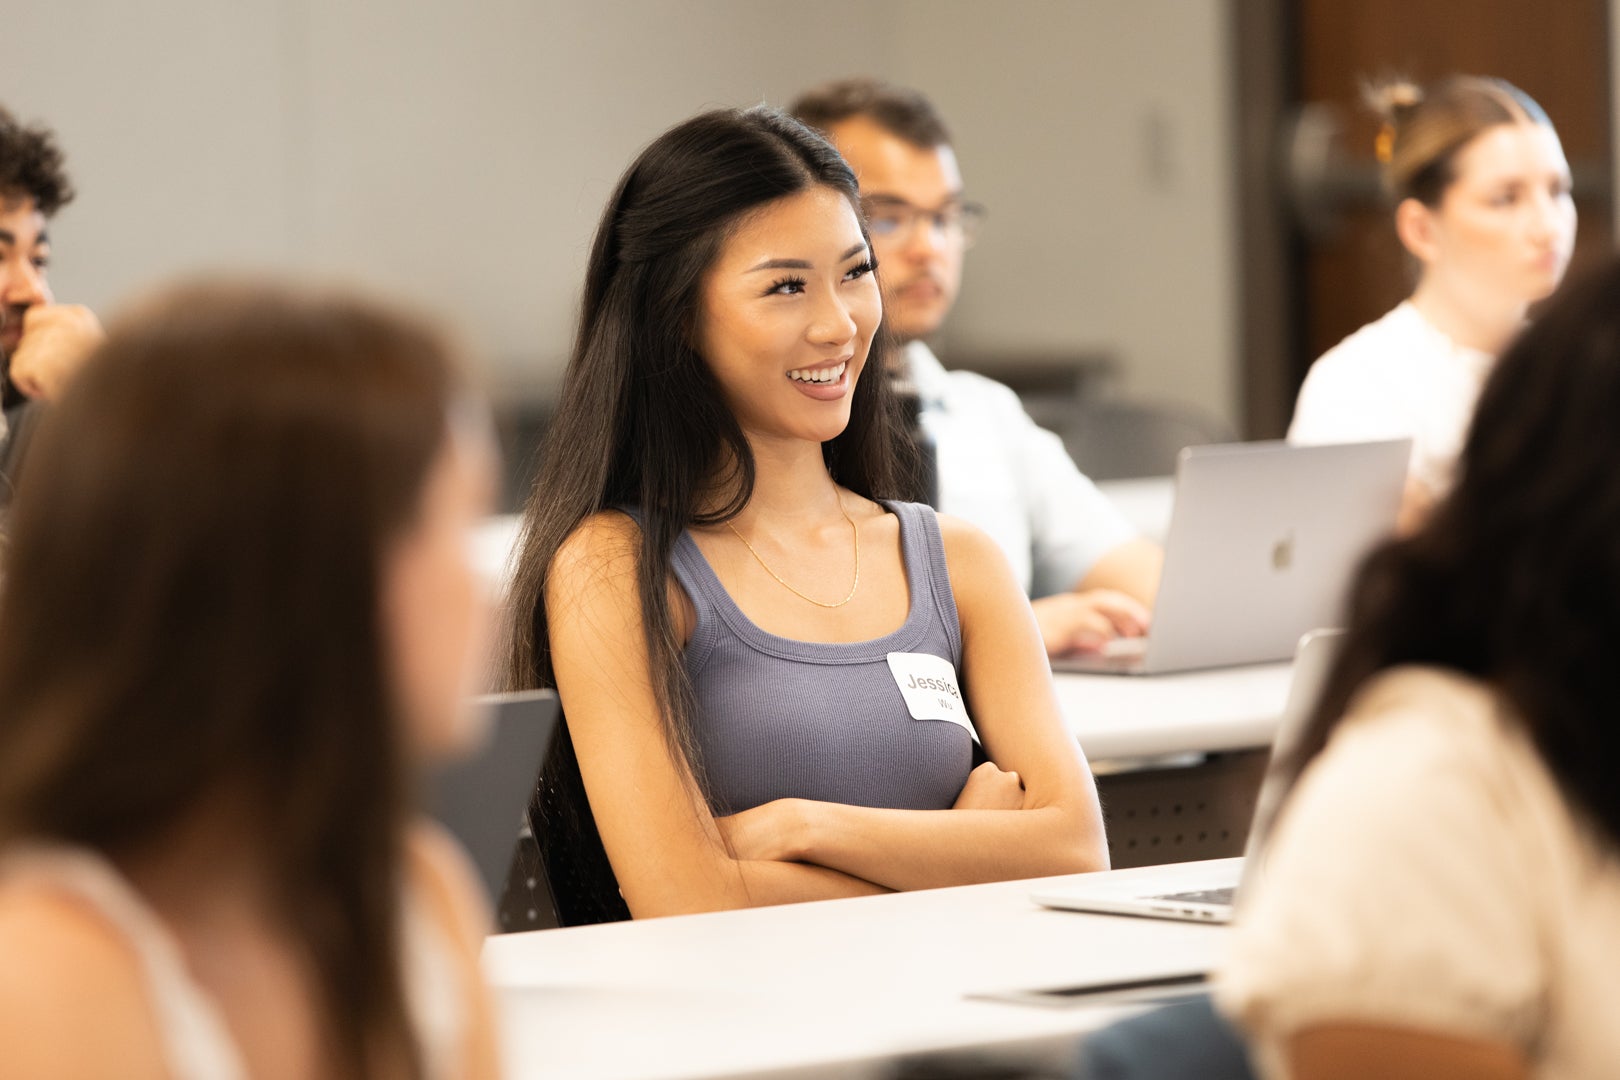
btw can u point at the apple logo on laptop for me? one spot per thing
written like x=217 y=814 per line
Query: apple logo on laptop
x=1282 y=552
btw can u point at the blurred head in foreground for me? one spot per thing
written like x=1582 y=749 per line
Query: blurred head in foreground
x=237 y=598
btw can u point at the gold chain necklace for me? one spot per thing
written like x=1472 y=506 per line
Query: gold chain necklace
x=819 y=603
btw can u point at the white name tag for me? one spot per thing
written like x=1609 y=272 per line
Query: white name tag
x=928 y=683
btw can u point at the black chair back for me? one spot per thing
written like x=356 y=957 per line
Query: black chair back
x=561 y=875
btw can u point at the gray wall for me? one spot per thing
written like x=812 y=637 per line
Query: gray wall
x=459 y=157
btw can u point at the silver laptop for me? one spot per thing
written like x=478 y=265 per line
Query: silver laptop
x=1263 y=539
x=482 y=796
x=1204 y=891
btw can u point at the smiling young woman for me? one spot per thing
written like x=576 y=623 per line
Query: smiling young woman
x=1483 y=206
x=717 y=575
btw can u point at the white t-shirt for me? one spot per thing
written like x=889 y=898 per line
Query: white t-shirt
x=1395 y=378
x=1428 y=873
x=1011 y=478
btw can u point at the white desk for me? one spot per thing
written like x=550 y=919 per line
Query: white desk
x=1134 y=716
x=1146 y=503
x=493 y=542
x=830 y=988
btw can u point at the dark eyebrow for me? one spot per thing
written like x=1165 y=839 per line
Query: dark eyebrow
x=895 y=200
x=9 y=237
x=800 y=264
x=780 y=264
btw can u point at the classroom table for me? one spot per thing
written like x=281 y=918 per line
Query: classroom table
x=1178 y=759
x=493 y=541
x=834 y=988
x=1118 y=717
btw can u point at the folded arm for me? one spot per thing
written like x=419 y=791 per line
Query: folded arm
x=1053 y=827
x=667 y=850
x=917 y=849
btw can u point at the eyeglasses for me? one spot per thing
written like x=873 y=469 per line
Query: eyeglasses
x=895 y=219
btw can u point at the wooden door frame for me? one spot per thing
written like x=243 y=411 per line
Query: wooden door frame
x=1267 y=253
x=1614 y=110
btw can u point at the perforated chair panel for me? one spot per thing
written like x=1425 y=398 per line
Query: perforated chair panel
x=1181 y=813
x=561 y=875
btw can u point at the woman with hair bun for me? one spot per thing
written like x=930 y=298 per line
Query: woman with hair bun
x=1482 y=203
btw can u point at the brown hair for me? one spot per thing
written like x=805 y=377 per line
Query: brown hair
x=192 y=609
x=31 y=166
x=900 y=111
x=1425 y=128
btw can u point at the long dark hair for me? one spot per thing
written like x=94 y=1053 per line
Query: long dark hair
x=641 y=421
x=191 y=610
x=1515 y=580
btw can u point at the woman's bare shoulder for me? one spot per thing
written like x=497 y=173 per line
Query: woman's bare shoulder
x=605 y=539
x=602 y=552
x=961 y=536
x=443 y=873
x=970 y=552
x=73 y=1000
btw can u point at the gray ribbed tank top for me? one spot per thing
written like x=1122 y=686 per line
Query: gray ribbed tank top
x=779 y=718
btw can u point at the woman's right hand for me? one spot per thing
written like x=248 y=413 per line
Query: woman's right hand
x=1080 y=622
x=990 y=788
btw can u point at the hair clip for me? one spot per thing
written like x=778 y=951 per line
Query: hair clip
x=1384 y=145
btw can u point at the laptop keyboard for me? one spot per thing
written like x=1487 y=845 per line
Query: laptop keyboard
x=1125 y=648
x=1223 y=895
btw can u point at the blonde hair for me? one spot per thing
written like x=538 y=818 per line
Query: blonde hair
x=1425 y=128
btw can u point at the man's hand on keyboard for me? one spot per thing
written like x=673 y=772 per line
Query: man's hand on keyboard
x=1087 y=621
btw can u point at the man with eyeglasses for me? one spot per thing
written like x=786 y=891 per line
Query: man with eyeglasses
x=1091 y=575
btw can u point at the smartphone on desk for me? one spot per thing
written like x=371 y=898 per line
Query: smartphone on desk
x=1154 y=990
